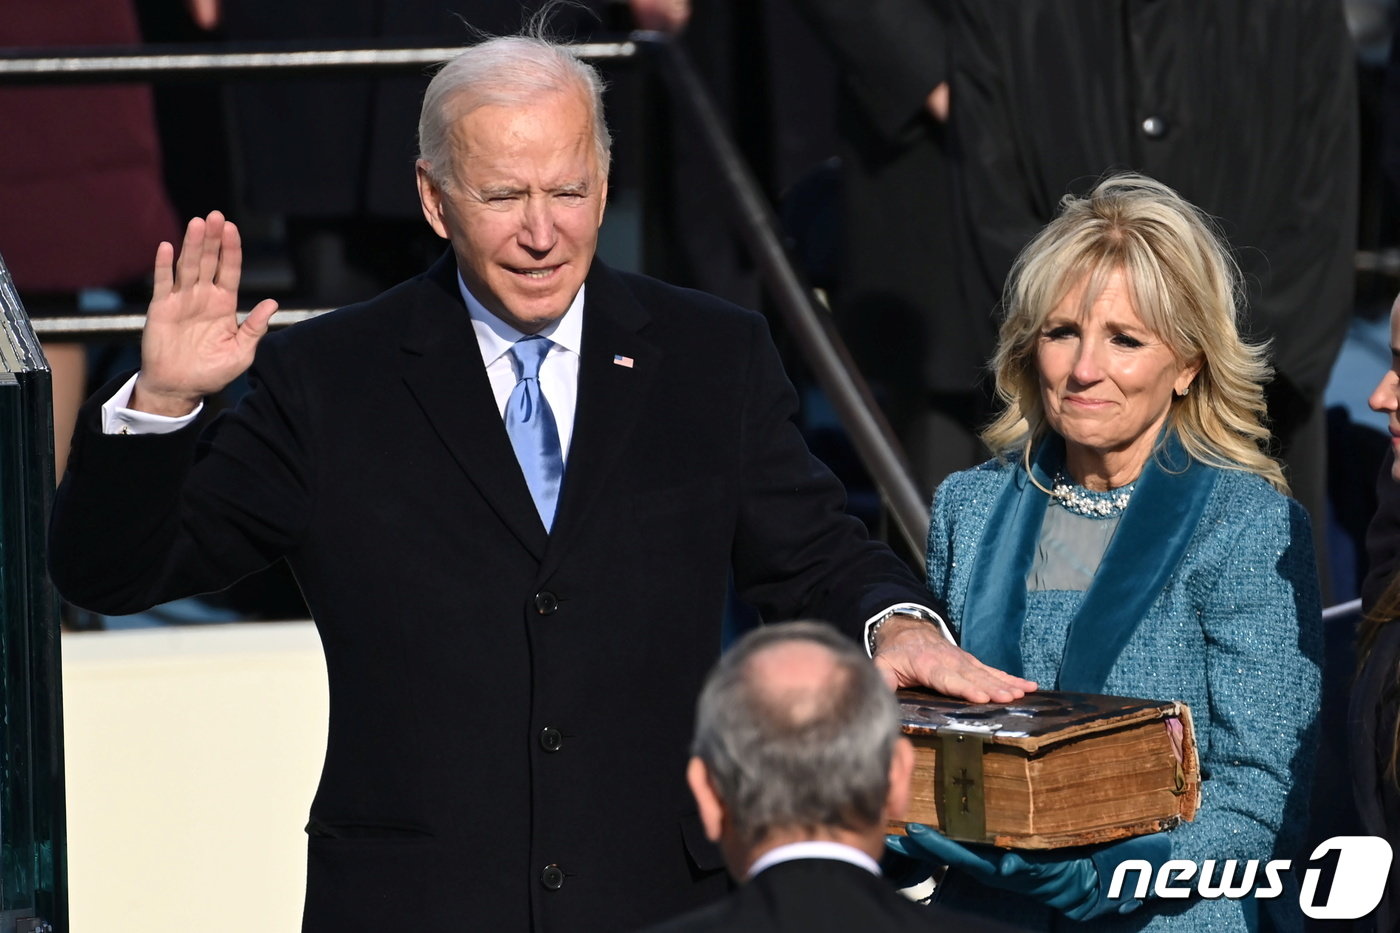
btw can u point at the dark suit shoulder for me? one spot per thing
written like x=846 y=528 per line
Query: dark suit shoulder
x=671 y=307
x=816 y=896
x=381 y=316
x=656 y=293
x=353 y=342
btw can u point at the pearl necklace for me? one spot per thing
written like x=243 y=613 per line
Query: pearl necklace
x=1102 y=505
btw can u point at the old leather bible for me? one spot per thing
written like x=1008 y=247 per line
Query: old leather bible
x=1051 y=769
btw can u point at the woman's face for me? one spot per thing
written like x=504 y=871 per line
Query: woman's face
x=1386 y=396
x=1106 y=381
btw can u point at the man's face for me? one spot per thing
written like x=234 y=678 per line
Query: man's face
x=521 y=206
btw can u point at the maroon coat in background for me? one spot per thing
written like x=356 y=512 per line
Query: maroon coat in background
x=82 y=202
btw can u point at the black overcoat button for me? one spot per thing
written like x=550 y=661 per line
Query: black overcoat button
x=552 y=877
x=551 y=740
x=546 y=603
x=1154 y=127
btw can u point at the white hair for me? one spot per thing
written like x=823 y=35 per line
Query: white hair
x=505 y=71
x=812 y=757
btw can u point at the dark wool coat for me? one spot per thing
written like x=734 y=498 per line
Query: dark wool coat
x=1246 y=107
x=510 y=709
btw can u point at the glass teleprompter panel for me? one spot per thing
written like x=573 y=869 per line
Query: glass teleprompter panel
x=33 y=884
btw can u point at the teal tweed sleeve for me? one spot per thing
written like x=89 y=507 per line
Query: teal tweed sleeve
x=1260 y=615
x=939 y=544
x=960 y=496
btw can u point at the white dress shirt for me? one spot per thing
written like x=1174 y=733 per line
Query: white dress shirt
x=814 y=848
x=558 y=372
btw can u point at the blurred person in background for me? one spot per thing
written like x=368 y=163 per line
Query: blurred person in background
x=81 y=194
x=965 y=122
x=1374 y=714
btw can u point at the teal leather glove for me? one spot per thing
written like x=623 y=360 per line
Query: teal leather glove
x=1069 y=884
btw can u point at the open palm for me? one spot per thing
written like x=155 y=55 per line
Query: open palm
x=193 y=344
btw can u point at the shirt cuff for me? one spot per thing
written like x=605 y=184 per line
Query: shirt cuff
x=913 y=609
x=117 y=418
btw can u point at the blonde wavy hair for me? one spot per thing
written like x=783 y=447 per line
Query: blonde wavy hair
x=1183 y=284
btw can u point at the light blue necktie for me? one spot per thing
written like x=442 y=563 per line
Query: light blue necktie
x=533 y=433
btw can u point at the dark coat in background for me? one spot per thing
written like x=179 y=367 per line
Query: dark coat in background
x=344 y=146
x=510 y=709
x=1371 y=730
x=1247 y=108
x=1374 y=699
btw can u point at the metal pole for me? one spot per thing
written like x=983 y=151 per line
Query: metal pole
x=811 y=326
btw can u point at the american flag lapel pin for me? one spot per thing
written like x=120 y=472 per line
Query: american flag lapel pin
x=624 y=361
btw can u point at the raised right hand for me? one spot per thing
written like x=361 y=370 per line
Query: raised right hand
x=192 y=344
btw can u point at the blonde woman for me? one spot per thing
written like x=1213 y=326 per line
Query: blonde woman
x=1133 y=538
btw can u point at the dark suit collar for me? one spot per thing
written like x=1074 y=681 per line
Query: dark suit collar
x=818 y=850
x=441 y=366
x=616 y=369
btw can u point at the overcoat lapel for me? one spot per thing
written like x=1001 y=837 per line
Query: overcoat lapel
x=996 y=597
x=1148 y=545
x=442 y=368
x=610 y=398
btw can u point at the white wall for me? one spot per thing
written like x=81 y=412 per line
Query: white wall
x=192 y=757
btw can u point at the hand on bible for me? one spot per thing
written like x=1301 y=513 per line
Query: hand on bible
x=912 y=652
x=192 y=344
x=1069 y=884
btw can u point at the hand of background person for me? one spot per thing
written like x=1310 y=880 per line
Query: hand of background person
x=192 y=344
x=939 y=100
x=912 y=652
x=1067 y=883
x=668 y=16
x=205 y=13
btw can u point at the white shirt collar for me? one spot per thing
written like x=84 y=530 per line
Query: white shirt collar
x=815 y=848
x=495 y=336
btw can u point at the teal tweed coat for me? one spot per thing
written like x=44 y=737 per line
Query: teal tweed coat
x=1207 y=594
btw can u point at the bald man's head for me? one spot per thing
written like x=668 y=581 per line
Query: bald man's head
x=796 y=730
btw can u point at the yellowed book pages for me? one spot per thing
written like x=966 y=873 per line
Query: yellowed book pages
x=1051 y=769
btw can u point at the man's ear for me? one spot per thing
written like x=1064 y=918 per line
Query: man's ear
x=901 y=778
x=710 y=806
x=430 y=196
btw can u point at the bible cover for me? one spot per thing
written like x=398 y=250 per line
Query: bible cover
x=1051 y=769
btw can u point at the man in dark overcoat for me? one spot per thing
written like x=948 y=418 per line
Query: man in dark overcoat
x=513 y=490
x=796 y=767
